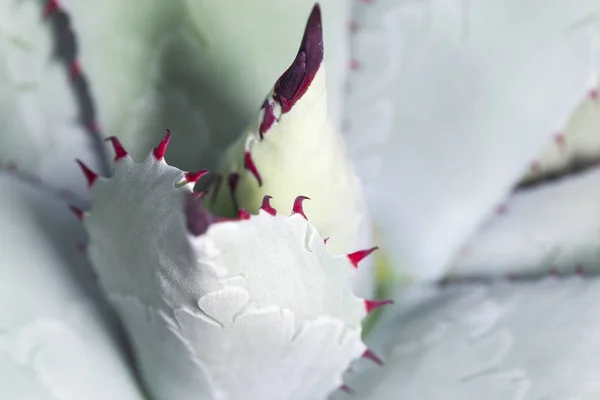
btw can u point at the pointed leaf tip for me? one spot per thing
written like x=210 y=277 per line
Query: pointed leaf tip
x=120 y=151
x=90 y=175
x=360 y=255
x=266 y=205
x=160 y=150
x=198 y=218
x=297 y=208
x=294 y=82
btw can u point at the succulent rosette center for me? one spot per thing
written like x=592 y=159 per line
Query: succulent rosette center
x=230 y=308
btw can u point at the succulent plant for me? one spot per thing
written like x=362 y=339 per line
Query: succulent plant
x=234 y=258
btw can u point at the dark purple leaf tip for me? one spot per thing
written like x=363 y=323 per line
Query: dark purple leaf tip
x=294 y=82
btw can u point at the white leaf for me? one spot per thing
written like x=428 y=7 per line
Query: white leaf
x=57 y=339
x=550 y=228
x=549 y=224
x=295 y=150
x=220 y=304
x=41 y=134
x=523 y=341
x=451 y=102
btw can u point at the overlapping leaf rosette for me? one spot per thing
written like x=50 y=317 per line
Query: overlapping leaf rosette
x=255 y=284
x=246 y=305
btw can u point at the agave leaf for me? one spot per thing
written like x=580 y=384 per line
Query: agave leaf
x=40 y=121
x=551 y=228
x=220 y=309
x=449 y=104
x=548 y=225
x=58 y=339
x=494 y=342
x=292 y=147
x=574 y=149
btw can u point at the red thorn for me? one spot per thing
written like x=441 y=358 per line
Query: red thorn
x=369 y=355
x=243 y=214
x=93 y=127
x=268 y=119
x=579 y=269
x=120 y=151
x=81 y=247
x=534 y=167
x=325 y=240
x=354 y=64
x=266 y=205
x=501 y=209
x=347 y=389
x=593 y=93
x=51 y=7
x=559 y=138
x=554 y=272
x=159 y=151
x=90 y=175
x=250 y=166
x=77 y=211
x=360 y=255
x=192 y=177
x=74 y=70
x=353 y=26
x=297 y=208
x=371 y=305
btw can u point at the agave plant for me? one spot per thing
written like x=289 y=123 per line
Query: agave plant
x=235 y=257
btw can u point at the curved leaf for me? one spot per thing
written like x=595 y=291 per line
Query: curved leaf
x=450 y=103
x=220 y=303
x=58 y=339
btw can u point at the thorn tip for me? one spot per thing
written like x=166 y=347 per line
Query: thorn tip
x=160 y=150
x=360 y=255
x=297 y=208
x=266 y=205
x=120 y=151
x=371 y=305
x=192 y=177
x=90 y=175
